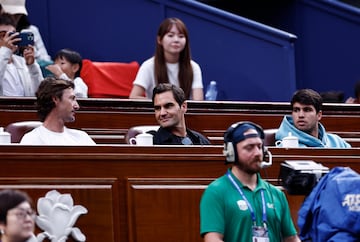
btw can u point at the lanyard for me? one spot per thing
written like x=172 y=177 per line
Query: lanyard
x=264 y=219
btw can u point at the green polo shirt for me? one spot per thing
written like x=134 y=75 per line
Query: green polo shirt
x=223 y=210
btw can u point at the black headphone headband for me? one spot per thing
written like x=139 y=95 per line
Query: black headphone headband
x=228 y=136
x=229 y=146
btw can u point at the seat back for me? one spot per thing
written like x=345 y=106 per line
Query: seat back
x=18 y=129
x=270 y=137
x=133 y=131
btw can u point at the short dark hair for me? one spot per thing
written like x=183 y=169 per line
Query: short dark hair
x=9 y=199
x=50 y=87
x=307 y=97
x=71 y=56
x=178 y=93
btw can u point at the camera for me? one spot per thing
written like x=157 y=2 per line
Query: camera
x=299 y=177
x=27 y=38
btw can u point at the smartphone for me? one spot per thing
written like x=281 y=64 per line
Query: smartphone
x=27 y=38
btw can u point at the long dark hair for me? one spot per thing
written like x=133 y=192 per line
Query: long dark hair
x=185 y=70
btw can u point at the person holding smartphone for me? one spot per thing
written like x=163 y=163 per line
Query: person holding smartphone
x=17 y=8
x=19 y=75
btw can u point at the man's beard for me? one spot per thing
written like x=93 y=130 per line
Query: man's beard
x=308 y=130
x=250 y=169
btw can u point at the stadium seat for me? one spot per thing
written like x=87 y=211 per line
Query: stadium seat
x=18 y=129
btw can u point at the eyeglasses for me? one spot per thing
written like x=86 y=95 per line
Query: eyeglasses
x=22 y=213
x=186 y=141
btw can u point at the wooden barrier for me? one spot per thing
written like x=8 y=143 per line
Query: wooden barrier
x=139 y=194
x=107 y=120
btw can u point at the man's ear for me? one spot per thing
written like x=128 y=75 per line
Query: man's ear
x=319 y=114
x=184 y=106
x=55 y=100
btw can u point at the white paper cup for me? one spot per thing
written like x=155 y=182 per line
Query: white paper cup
x=5 y=137
x=288 y=143
x=144 y=139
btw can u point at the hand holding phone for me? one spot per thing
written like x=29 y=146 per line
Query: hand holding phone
x=27 y=38
x=28 y=54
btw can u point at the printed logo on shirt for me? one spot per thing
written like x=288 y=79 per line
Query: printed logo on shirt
x=242 y=205
x=352 y=201
x=270 y=205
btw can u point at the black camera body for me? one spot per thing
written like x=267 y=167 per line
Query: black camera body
x=299 y=177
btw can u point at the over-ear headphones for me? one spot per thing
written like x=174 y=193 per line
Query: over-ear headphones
x=230 y=151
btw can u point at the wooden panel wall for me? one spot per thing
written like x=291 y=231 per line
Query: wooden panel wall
x=98 y=195
x=140 y=194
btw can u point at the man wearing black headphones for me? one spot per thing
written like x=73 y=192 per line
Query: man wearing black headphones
x=240 y=206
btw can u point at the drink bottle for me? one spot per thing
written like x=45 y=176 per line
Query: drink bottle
x=211 y=91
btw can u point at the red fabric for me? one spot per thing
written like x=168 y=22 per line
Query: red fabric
x=109 y=79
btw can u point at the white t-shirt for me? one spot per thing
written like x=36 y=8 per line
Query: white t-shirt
x=146 y=76
x=43 y=136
